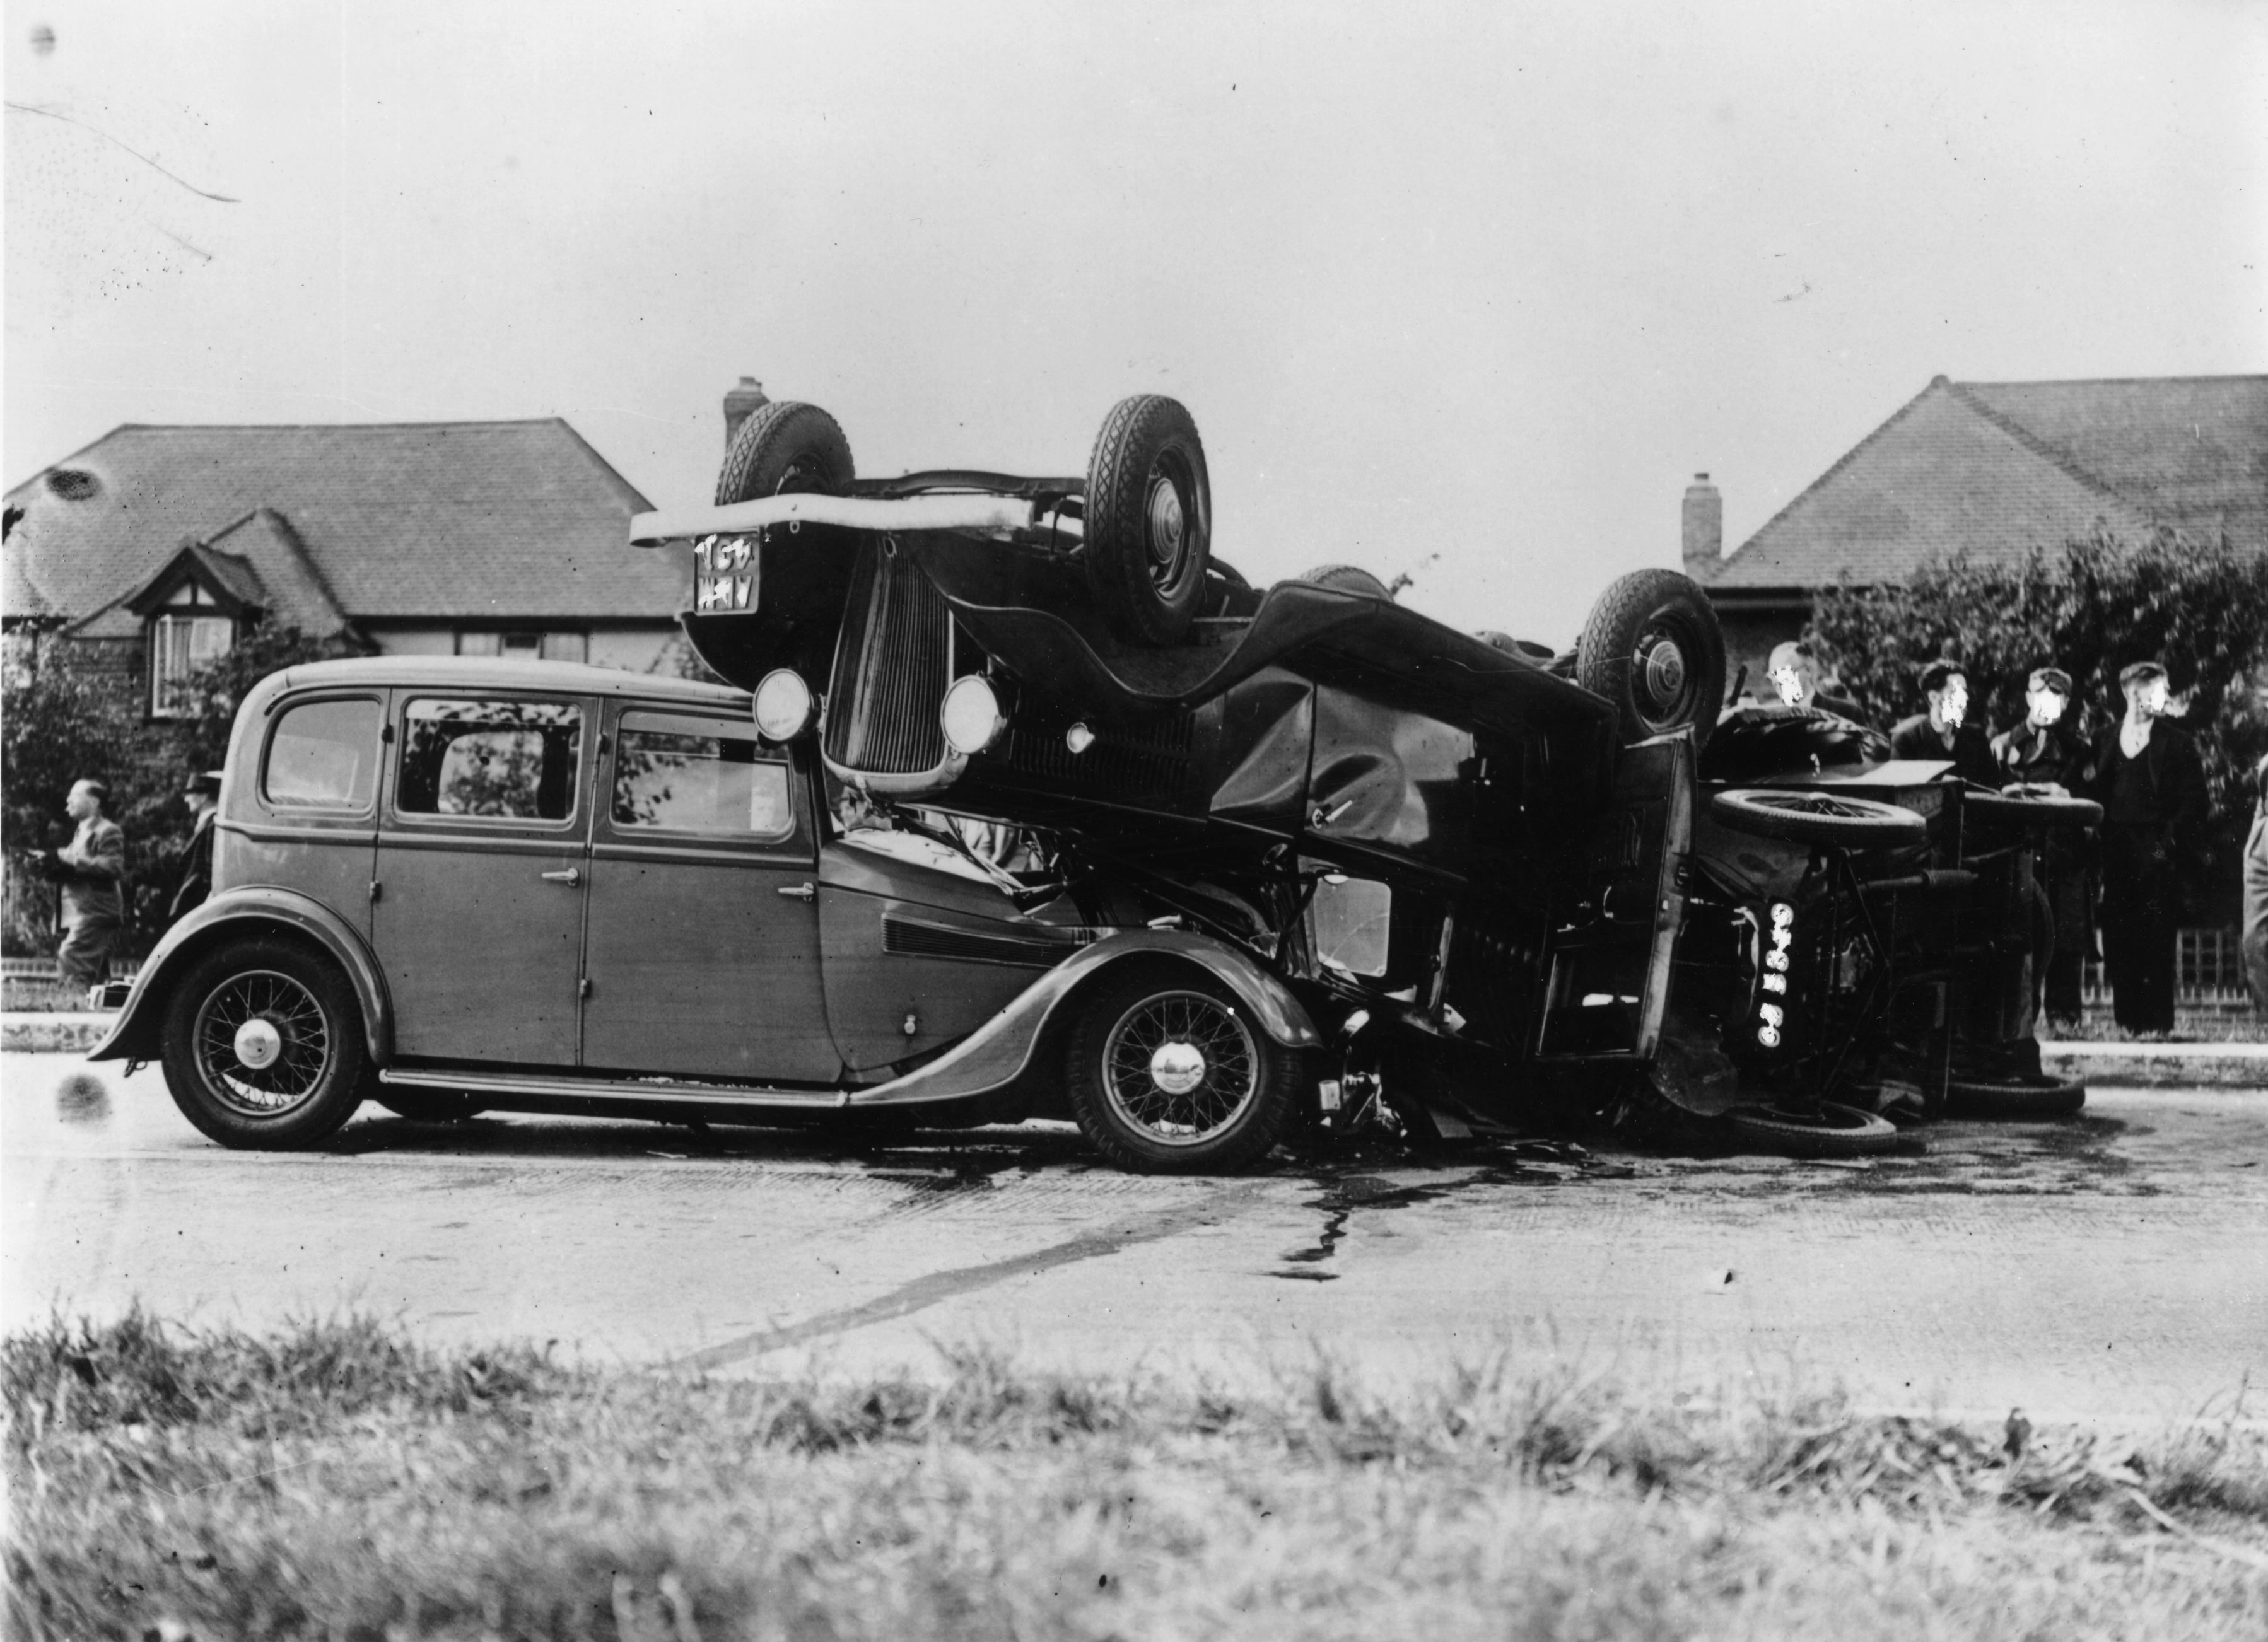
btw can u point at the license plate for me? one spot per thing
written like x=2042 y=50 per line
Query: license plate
x=724 y=569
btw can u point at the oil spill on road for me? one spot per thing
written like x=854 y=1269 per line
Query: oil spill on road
x=1519 y=1163
x=2064 y=1158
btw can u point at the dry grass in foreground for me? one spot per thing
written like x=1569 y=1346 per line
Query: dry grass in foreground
x=338 y=1480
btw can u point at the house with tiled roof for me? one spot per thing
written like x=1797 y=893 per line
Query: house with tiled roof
x=152 y=550
x=1993 y=469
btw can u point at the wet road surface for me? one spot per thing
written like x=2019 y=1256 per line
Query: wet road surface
x=2114 y=1266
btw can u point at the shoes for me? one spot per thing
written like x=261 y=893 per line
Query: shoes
x=2065 y=1028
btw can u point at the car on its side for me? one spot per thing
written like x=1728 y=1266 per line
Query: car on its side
x=1016 y=802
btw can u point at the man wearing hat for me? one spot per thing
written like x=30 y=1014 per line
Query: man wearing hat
x=2144 y=772
x=2043 y=753
x=1944 y=731
x=192 y=877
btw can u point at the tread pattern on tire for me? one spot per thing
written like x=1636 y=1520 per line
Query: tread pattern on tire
x=777 y=436
x=1870 y=1137
x=1602 y=654
x=2015 y=1097
x=1117 y=522
x=1871 y=824
x=1348 y=578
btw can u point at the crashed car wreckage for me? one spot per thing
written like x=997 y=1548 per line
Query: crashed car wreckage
x=1084 y=825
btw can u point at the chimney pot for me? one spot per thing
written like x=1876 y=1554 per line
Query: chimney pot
x=740 y=402
x=1704 y=527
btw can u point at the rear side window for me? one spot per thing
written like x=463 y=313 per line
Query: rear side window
x=323 y=756
x=500 y=760
x=711 y=776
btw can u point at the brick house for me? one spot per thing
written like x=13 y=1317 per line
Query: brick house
x=151 y=551
x=1993 y=468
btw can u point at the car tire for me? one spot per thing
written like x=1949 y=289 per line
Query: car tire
x=1820 y=1130
x=1149 y=518
x=1653 y=646
x=2030 y=809
x=2037 y=1097
x=428 y=1106
x=1237 y=1109
x=783 y=449
x=310 y=1079
x=1349 y=578
x=1806 y=817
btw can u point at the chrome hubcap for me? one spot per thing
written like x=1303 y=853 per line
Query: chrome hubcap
x=1167 y=529
x=1664 y=665
x=1177 y=1068
x=258 y=1043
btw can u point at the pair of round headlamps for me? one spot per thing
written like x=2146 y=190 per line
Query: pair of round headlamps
x=971 y=716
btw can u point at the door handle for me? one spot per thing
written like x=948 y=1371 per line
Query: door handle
x=572 y=876
x=800 y=892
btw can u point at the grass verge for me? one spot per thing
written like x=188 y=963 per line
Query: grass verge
x=339 y=1481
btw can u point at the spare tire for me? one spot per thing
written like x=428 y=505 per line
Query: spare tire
x=785 y=448
x=1149 y=518
x=1654 y=648
x=1820 y=1130
x=2021 y=1097
x=1349 y=578
x=1805 y=816
x=2030 y=809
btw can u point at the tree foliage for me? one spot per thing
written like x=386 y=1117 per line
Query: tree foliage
x=67 y=722
x=2089 y=607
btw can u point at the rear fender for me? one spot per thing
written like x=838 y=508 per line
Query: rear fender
x=234 y=915
x=1000 y=1051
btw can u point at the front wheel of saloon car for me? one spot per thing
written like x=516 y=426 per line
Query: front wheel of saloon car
x=263 y=1046
x=1653 y=647
x=1149 y=518
x=1171 y=1075
x=1824 y=818
x=782 y=449
x=2030 y=807
x=1821 y=1128
x=2019 y=1097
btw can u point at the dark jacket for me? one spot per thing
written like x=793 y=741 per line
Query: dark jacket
x=193 y=876
x=2176 y=777
x=1971 y=754
x=2026 y=753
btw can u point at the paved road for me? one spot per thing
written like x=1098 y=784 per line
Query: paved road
x=2116 y=1266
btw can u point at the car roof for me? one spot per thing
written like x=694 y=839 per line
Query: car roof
x=481 y=672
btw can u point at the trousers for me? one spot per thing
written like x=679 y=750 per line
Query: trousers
x=2140 y=903
x=84 y=957
x=2256 y=913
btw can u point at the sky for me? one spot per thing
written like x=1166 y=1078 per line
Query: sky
x=1464 y=291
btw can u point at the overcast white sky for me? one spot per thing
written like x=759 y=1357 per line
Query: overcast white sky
x=1488 y=281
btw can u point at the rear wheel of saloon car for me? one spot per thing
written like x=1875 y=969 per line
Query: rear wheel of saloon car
x=1654 y=648
x=1823 y=817
x=2028 y=808
x=783 y=449
x=1819 y=1129
x=1170 y=1074
x=1149 y=518
x=263 y=1045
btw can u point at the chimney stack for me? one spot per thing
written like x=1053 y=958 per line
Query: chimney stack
x=740 y=403
x=1705 y=527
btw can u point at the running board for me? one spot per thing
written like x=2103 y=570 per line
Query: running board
x=536 y=1085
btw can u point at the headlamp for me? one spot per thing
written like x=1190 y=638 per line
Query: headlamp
x=783 y=705
x=971 y=715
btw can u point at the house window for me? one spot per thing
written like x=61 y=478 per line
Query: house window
x=524 y=644
x=186 y=634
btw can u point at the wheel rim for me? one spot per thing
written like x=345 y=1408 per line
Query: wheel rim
x=263 y=1045
x=1180 y=1067
x=1663 y=680
x=1812 y=804
x=1166 y=526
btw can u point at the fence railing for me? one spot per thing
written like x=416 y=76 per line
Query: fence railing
x=2208 y=972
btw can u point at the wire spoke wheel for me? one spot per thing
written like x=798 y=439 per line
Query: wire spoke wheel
x=1807 y=816
x=262 y=1042
x=1180 y=1067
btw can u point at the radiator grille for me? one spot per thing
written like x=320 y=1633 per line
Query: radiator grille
x=1148 y=760
x=892 y=665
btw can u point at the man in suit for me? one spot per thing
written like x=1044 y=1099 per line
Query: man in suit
x=2255 y=891
x=2144 y=772
x=1944 y=731
x=2043 y=753
x=92 y=870
x=192 y=877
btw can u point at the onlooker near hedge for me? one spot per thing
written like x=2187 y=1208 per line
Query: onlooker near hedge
x=1944 y=731
x=2145 y=773
x=193 y=873
x=2043 y=754
x=92 y=869
x=2255 y=891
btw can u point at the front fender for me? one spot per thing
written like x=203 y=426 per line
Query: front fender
x=240 y=912
x=997 y=1052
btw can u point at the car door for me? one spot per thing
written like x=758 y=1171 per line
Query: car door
x=477 y=908
x=701 y=952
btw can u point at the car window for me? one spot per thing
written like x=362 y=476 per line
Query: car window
x=714 y=776
x=502 y=760
x=324 y=756
x=1351 y=921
